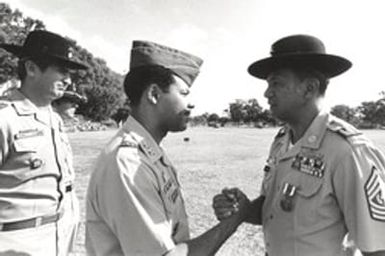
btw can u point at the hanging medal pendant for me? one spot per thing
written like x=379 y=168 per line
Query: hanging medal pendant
x=287 y=201
x=286 y=204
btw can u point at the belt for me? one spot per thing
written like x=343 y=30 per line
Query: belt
x=30 y=223
x=34 y=222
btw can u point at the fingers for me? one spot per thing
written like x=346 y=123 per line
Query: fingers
x=234 y=194
x=231 y=202
x=224 y=207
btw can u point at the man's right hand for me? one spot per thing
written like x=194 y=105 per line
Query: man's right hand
x=229 y=202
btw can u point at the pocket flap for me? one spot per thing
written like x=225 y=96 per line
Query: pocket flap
x=26 y=145
x=307 y=185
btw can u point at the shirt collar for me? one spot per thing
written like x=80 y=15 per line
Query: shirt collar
x=316 y=131
x=312 y=138
x=23 y=107
x=144 y=138
x=22 y=104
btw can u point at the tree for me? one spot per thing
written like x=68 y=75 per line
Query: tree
x=253 y=111
x=346 y=113
x=246 y=111
x=237 y=111
x=100 y=84
x=212 y=120
x=268 y=118
x=213 y=117
x=101 y=103
x=373 y=113
x=14 y=28
x=199 y=120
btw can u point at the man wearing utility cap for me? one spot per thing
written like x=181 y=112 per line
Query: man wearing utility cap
x=66 y=105
x=323 y=178
x=38 y=207
x=134 y=202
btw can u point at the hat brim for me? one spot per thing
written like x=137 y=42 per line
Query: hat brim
x=17 y=50
x=73 y=97
x=329 y=65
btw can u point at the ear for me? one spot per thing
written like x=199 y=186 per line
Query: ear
x=31 y=68
x=312 y=87
x=153 y=93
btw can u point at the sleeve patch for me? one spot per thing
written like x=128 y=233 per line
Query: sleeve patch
x=375 y=195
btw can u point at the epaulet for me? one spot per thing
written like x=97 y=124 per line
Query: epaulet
x=128 y=141
x=281 y=132
x=342 y=128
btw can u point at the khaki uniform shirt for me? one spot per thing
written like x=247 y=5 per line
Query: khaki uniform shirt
x=134 y=201
x=35 y=160
x=332 y=181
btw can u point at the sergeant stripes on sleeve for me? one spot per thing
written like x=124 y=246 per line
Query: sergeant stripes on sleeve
x=375 y=195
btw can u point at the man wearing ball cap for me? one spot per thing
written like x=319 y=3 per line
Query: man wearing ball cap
x=323 y=178
x=134 y=203
x=38 y=207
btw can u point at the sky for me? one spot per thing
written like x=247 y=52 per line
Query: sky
x=229 y=35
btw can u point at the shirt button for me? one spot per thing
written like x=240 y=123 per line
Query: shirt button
x=271 y=216
x=36 y=163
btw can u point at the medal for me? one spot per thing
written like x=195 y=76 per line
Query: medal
x=286 y=204
x=312 y=165
x=288 y=193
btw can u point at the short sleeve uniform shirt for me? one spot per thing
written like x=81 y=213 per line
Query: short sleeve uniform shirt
x=134 y=201
x=332 y=181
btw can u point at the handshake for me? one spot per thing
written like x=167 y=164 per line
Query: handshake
x=231 y=203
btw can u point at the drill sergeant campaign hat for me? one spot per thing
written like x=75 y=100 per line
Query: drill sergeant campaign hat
x=300 y=51
x=45 y=44
x=184 y=65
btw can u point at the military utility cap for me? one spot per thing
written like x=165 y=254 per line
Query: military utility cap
x=74 y=97
x=44 y=44
x=184 y=65
x=300 y=51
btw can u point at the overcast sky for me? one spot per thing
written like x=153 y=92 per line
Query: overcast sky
x=229 y=35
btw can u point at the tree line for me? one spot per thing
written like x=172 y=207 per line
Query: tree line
x=368 y=115
x=103 y=87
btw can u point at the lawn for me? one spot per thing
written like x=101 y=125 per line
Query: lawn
x=210 y=160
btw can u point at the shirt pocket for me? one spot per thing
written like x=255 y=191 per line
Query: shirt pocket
x=307 y=198
x=308 y=186
x=23 y=162
x=25 y=150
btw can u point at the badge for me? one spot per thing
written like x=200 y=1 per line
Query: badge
x=375 y=195
x=29 y=133
x=287 y=201
x=312 y=165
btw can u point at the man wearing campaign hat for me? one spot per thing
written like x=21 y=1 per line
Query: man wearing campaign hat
x=38 y=207
x=134 y=201
x=322 y=178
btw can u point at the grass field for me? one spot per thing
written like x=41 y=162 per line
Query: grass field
x=211 y=160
